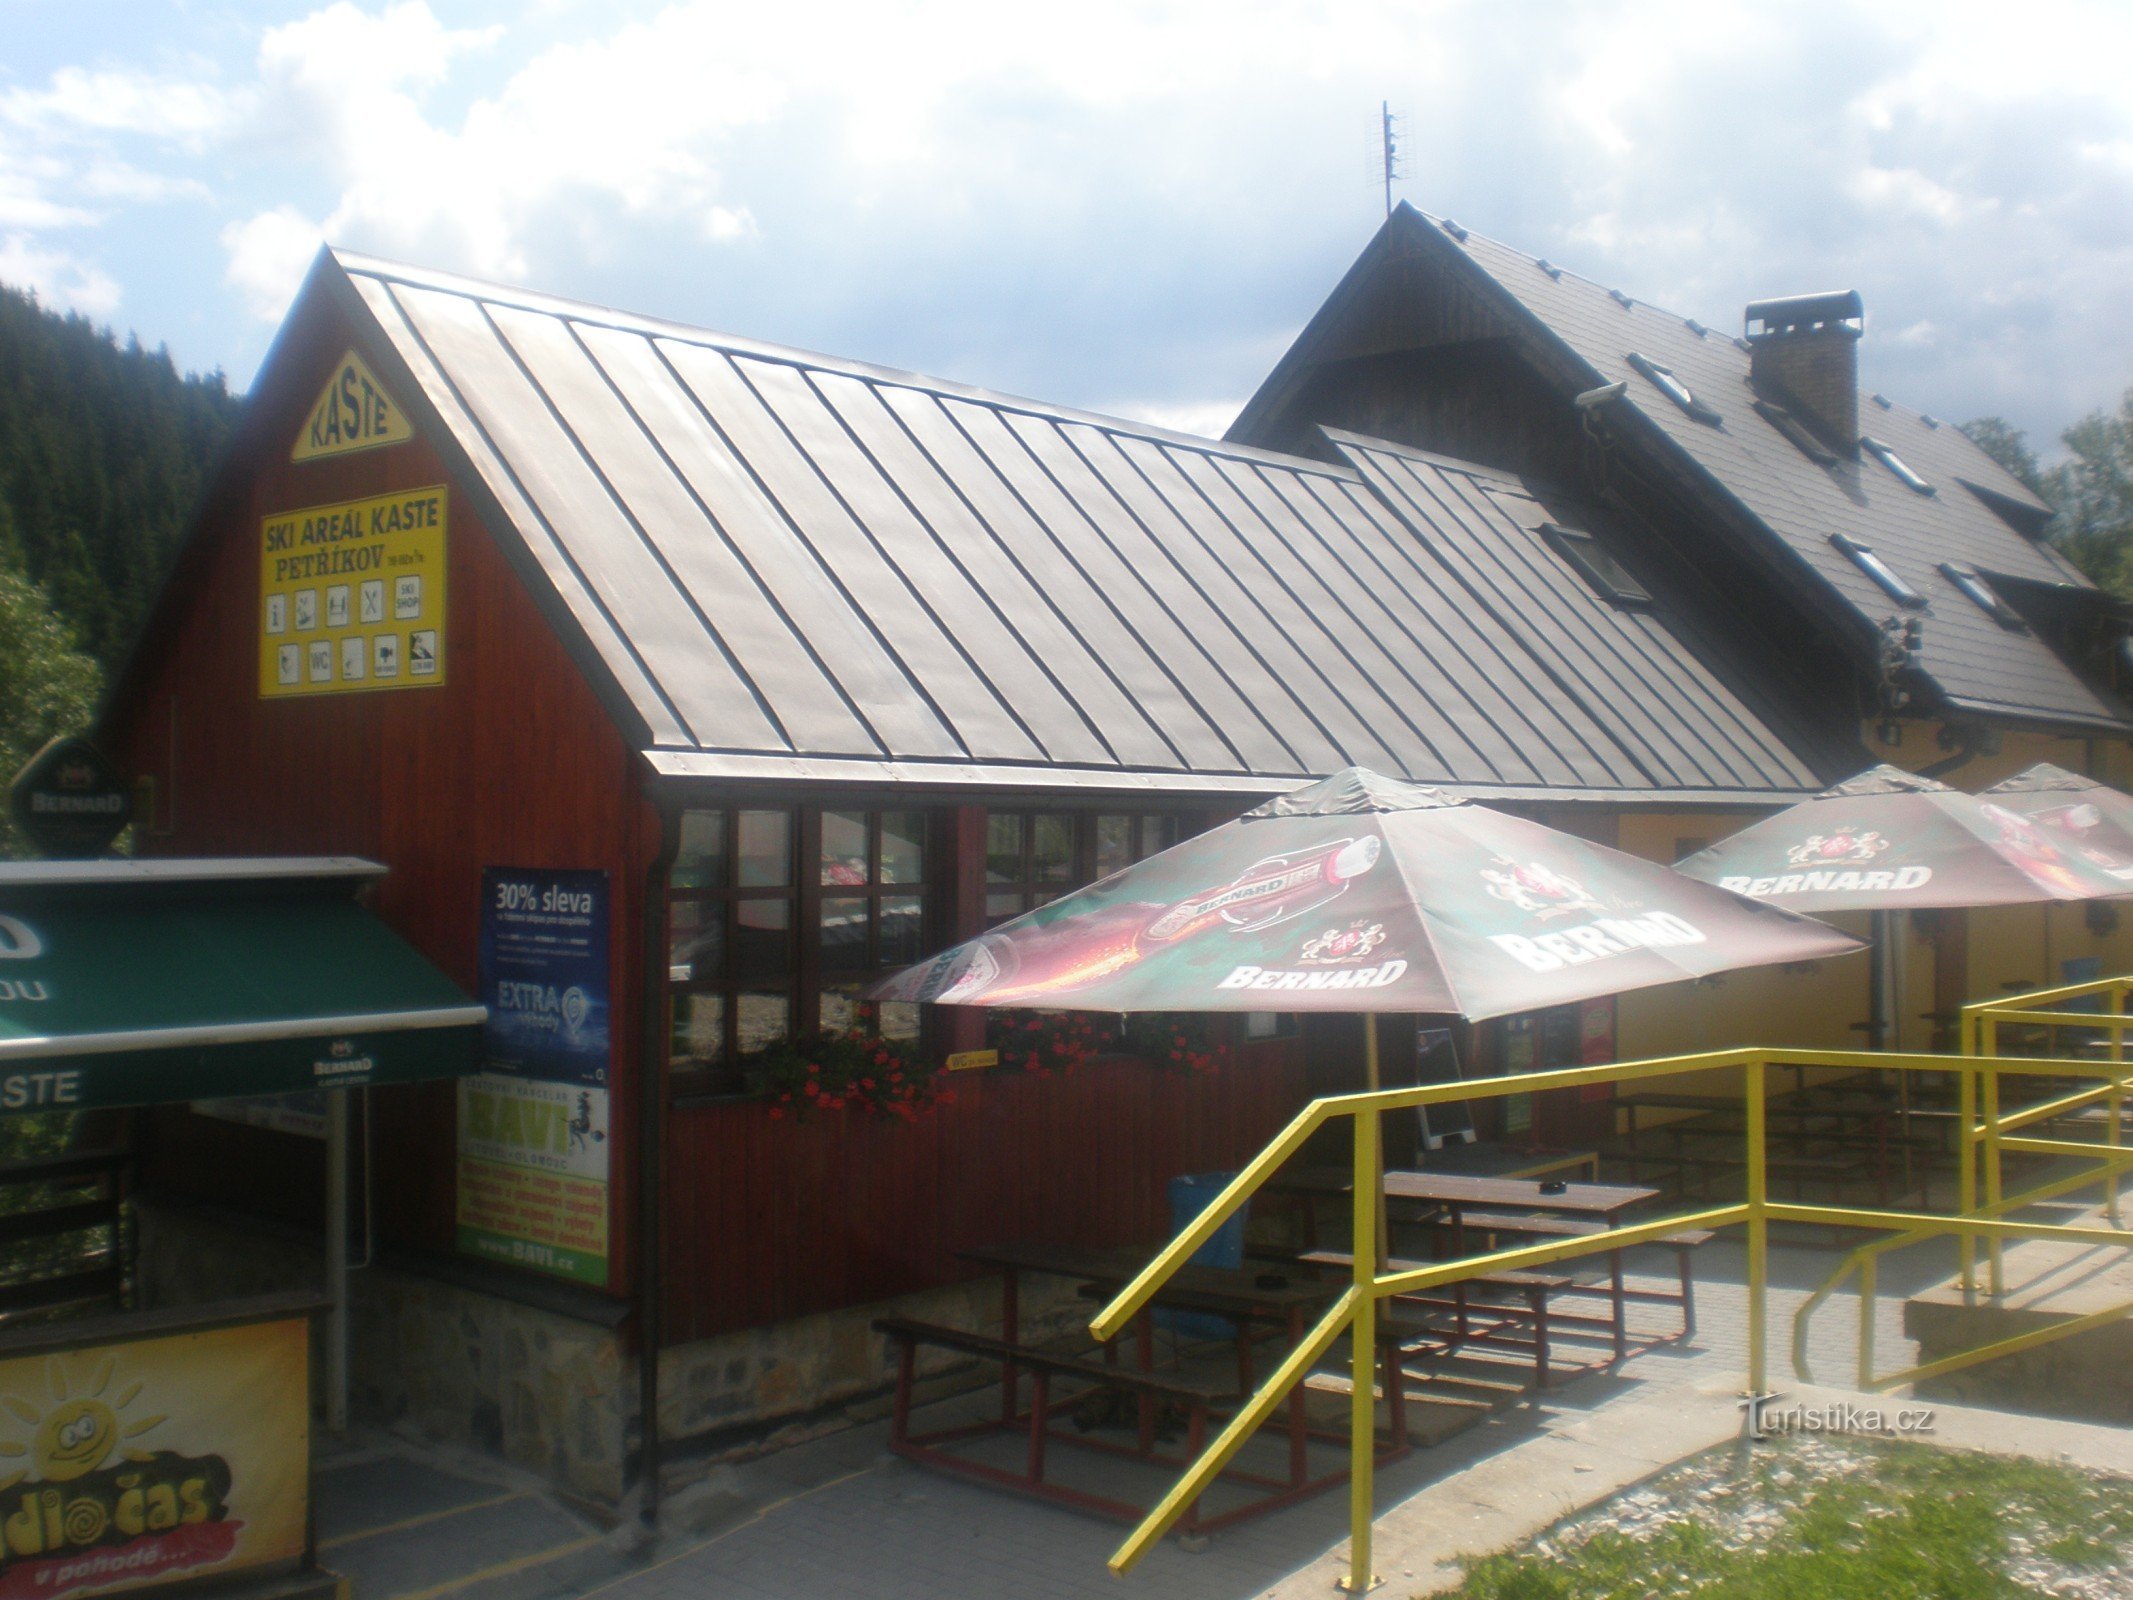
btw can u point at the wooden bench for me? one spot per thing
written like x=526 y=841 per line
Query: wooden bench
x=1683 y=1244
x=1536 y=1287
x=1150 y=1390
x=1042 y=1366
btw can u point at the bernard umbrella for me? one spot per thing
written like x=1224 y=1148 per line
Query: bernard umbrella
x=1364 y=893
x=1889 y=840
x=2079 y=816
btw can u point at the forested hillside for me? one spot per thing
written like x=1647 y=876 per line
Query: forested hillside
x=103 y=450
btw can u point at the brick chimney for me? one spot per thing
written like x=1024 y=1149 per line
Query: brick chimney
x=1804 y=354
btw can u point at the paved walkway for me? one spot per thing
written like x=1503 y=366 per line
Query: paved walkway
x=841 y=1518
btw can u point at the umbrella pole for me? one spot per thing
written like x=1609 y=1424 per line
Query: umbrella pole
x=1377 y=1125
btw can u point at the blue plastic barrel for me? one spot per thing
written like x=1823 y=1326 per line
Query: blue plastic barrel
x=1191 y=1194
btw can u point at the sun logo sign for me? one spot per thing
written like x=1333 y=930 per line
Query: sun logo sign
x=83 y=1504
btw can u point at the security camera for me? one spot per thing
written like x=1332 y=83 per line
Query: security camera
x=1591 y=399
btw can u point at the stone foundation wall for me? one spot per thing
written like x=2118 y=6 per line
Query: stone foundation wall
x=554 y=1394
x=542 y=1390
x=761 y=1376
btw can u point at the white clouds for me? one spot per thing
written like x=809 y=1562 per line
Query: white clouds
x=105 y=102
x=59 y=279
x=1137 y=199
x=267 y=257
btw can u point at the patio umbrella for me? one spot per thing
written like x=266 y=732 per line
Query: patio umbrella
x=1889 y=840
x=2089 y=819
x=1363 y=893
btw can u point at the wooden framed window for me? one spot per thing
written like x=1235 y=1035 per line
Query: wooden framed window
x=870 y=913
x=1032 y=857
x=776 y=919
x=732 y=968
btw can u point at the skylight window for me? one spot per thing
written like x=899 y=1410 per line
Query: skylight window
x=1879 y=570
x=1795 y=430
x=1596 y=564
x=1895 y=463
x=1982 y=593
x=1663 y=379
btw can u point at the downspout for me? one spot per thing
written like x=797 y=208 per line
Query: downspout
x=651 y=1135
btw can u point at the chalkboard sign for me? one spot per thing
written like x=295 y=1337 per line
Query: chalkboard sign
x=1437 y=1061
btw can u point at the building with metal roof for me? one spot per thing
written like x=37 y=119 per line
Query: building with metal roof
x=686 y=684
x=1814 y=511
x=779 y=565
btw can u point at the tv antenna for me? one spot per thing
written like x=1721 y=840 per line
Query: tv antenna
x=1391 y=149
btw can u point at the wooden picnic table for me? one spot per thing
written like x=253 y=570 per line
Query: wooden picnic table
x=1457 y=1197
x=1262 y=1294
x=1489 y=1160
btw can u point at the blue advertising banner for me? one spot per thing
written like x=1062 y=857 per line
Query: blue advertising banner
x=544 y=974
x=533 y=1166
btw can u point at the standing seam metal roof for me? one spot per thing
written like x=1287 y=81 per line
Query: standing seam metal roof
x=1977 y=662
x=793 y=566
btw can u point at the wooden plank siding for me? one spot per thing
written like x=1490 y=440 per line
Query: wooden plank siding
x=512 y=762
x=772 y=1220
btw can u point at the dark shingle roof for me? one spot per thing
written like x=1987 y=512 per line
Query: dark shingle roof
x=789 y=566
x=1976 y=662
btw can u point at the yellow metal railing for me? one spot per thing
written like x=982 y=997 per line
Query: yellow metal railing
x=1355 y=1310
x=1985 y=1133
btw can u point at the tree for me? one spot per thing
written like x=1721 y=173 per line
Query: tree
x=2091 y=492
x=47 y=686
x=2009 y=446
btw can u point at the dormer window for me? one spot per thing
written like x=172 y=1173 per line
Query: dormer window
x=1596 y=564
x=1663 y=379
x=1863 y=557
x=1795 y=430
x=1983 y=596
x=1895 y=463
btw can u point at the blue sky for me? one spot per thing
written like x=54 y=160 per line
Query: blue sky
x=1127 y=207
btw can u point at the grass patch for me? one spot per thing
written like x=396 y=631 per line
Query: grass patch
x=1821 y=1518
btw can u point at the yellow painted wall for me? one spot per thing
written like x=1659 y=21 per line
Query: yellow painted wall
x=1811 y=1004
x=2026 y=945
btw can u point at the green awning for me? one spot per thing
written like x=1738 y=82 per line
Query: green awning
x=143 y=982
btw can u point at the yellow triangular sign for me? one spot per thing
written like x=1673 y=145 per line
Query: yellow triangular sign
x=353 y=412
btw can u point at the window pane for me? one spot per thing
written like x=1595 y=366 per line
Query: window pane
x=902 y=929
x=999 y=907
x=762 y=969
x=840 y=1007
x=699 y=1034
x=844 y=849
x=1114 y=844
x=897 y=1019
x=764 y=1019
x=766 y=849
x=1003 y=846
x=696 y=942
x=762 y=944
x=1052 y=849
x=1158 y=832
x=903 y=847
x=700 y=863
x=844 y=937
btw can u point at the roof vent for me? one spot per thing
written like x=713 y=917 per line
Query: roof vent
x=1697 y=328
x=1804 y=352
x=1550 y=268
x=1621 y=299
x=1453 y=229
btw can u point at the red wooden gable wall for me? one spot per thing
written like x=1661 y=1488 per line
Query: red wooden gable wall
x=512 y=762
